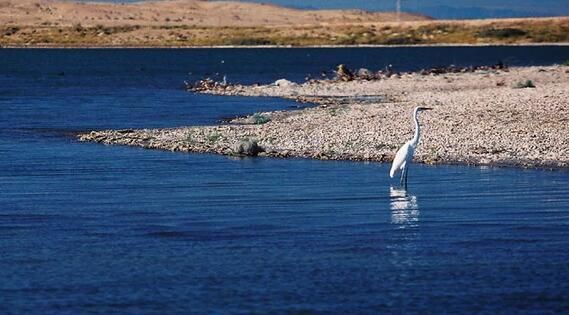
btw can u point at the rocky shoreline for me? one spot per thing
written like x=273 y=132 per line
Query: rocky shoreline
x=487 y=116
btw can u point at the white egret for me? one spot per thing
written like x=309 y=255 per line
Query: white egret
x=404 y=155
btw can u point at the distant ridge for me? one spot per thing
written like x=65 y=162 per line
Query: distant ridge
x=448 y=12
x=179 y=12
x=195 y=23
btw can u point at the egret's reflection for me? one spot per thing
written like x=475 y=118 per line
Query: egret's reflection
x=404 y=208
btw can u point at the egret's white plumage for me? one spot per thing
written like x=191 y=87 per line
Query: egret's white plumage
x=404 y=155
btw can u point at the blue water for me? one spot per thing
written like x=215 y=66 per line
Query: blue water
x=87 y=228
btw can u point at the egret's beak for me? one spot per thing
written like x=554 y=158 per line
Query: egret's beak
x=427 y=108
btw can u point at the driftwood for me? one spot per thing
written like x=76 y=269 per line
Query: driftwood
x=206 y=84
x=344 y=74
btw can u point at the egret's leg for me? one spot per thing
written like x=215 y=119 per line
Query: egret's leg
x=405 y=178
x=403 y=171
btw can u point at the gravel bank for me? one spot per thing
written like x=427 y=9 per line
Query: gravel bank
x=478 y=118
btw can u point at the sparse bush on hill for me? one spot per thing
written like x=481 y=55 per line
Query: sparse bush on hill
x=11 y=31
x=402 y=40
x=250 y=41
x=78 y=28
x=502 y=33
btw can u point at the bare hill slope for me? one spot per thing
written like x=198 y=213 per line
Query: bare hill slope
x=175 y=12
x=191 y=23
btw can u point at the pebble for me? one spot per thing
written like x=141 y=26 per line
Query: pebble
x=475 y=121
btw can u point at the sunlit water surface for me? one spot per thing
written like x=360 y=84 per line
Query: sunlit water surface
x=109 y=229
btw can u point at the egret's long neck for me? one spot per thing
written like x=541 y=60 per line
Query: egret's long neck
x=415 y=139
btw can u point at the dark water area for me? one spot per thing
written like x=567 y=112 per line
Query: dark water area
x=87 y=228
x=168 y=68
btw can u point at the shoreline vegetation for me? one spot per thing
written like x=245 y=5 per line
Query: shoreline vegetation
x=176 y=23
x=488 y=115
x=278 y=46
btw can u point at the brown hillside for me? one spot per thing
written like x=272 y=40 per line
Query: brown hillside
x=177 y=12
x=190 y=23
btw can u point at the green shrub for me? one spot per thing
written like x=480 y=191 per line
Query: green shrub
x=259 y=119
x=213 y=137
x=524 y=84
